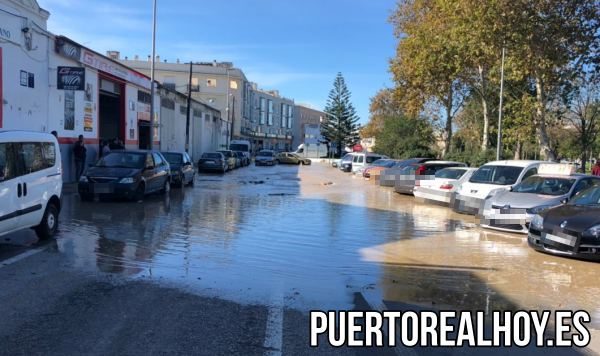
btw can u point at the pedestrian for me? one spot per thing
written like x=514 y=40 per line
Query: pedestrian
x=79 y=154
x=596 y=168
x=105 y=149
x=54 y=133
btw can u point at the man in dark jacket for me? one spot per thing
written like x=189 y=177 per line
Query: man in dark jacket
x=79 y=153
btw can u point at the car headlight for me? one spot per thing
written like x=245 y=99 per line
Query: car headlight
x=593 y=231
x=83 y=179
x=537 y=222
x=127 y=180
x=538 y=209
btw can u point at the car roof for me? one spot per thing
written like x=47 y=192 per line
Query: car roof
x=25 y=135
x=517 y=163
x=173 y=152
x=441 y=162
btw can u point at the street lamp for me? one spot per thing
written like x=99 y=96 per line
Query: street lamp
x=152 y=128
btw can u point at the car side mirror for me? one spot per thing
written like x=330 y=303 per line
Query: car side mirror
x=148 y=168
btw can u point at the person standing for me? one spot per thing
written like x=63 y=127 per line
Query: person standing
x=105 y=149
x=79 y=153
x=596 y=168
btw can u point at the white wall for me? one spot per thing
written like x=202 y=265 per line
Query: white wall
x=23 y=107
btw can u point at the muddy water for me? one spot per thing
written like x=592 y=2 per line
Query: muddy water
x=312 y=237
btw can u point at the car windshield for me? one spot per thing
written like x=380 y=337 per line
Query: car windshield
x=545 y=185
x=500 y=175
x=238 y=147
x=587 y=197
x=450 y=173
x=265 y=154
x=122 y=160
x=173 y=158
x=383 y=163
x=226 y=153
x=408 y=170
x=347 y=157
x=211 y=155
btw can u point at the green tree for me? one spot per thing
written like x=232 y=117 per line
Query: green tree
x=427 y=66
x=383 y=105
x=341 y=126
x=405 y=137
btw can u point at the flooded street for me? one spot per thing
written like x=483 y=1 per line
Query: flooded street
x=294 y=237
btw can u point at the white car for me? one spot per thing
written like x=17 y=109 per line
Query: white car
x=489 y=179
x=361 y=160
x=444 y=185
x=30 y=182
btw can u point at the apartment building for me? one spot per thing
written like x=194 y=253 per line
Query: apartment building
x=271 y=120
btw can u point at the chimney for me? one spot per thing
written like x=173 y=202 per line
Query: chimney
x=136 y=57
x=113 y=55
x=214 y=62
x=149 y=58
x=158 y=58
x=177 y=60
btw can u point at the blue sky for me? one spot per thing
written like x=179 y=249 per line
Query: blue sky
x=296 y=47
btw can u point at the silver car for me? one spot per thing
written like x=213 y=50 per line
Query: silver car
x=513 y=210
x=265 y=158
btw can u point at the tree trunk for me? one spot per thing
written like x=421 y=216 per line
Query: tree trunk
x=546 y=151
x=448 y=142
x=584 y=159
x=518 y=150
x=484 y=107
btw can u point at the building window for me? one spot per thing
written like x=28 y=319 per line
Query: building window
x=290 y=116
x=233 y=85
x=211 y=82
x=195 y=84
x=270 y=113
x=263 y=111
x=144 y=97
x=283 y=115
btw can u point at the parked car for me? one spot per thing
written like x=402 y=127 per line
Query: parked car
x=442 y=188
x=389 y=176
x=230 y=158
x=30 y=182
x=345 y=163
x=412 y=175
x=291 y=158
x=182 y=169
x=571 y=230
x=265 y=158
x=126 y=174
x=377 y=166
x=213 y=161
x=490 y=179
x=553 y=186
x=364 y=159
x=244 y=160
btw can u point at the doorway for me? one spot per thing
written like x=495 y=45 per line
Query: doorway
x=111 y=112
x=144 y=135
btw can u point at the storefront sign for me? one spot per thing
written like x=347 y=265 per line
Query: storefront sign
x=69 y=110
x=70 y=78
x=88 y=118
x=106 y=65
x=68 y=49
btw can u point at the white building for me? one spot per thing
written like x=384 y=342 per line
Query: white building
x=271 y=120
x=51 y=83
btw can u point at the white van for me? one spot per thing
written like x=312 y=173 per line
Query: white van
x=489 y=179
x=30 y=182
x=360 y=160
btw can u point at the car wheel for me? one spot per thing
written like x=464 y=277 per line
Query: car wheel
x=47 y=228
x=300 y=162
x=166 y=187
x=140 y=192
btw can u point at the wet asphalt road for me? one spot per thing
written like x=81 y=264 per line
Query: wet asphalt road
x=233 y=265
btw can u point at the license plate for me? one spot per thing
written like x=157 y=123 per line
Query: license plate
x=209 y=162
x=562 y=240
x=100 y=188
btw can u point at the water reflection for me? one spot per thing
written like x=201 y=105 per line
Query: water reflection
x=262 y=231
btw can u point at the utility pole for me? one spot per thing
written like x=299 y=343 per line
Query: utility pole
x=189 y=106
x=232 y=118
x=152 y=127
x=499 y=145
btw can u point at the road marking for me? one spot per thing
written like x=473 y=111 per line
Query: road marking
x=22 y=256
x=274 y=330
